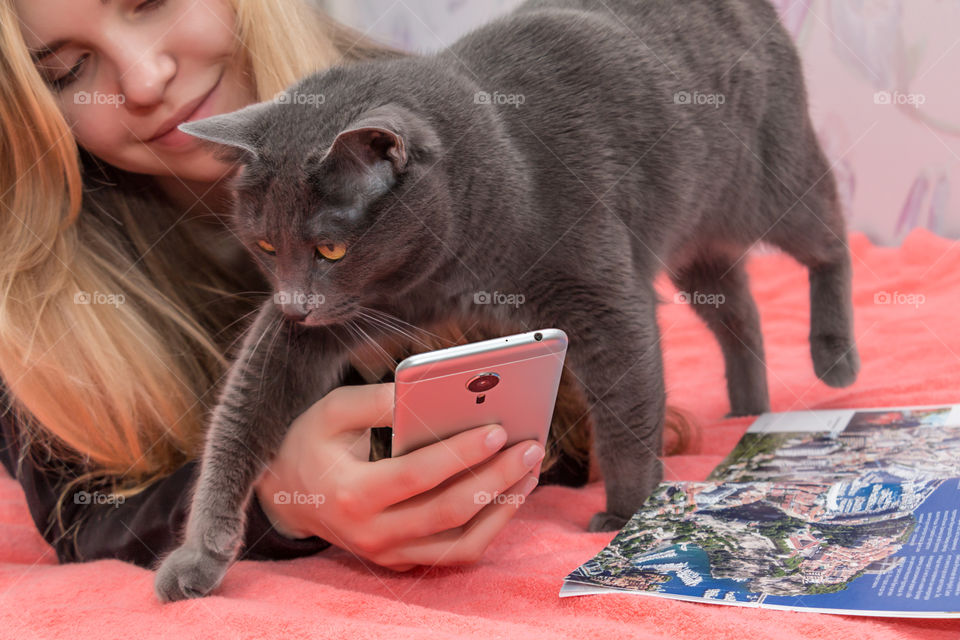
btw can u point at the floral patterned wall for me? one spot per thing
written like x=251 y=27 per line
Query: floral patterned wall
x=884 y=84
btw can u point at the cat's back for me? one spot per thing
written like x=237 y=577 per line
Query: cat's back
x=591 y=92
x=686 y=39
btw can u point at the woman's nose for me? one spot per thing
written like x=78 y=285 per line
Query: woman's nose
x=144 y=76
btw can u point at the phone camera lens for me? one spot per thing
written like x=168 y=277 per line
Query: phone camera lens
x=538 y=336
x=483 y=382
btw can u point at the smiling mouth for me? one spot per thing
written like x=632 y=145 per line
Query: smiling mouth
x=171 y=126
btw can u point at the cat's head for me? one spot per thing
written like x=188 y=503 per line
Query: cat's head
x=342 y=205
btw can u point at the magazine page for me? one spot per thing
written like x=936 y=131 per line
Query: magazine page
x=895 y=444
x=863 y=546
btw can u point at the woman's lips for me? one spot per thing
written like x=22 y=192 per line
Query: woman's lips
x=175 y=139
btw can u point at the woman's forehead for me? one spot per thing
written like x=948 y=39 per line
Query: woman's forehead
x=48 y=22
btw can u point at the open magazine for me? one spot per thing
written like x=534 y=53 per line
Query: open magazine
x=854 y=512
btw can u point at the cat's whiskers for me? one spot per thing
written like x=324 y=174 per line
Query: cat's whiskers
x=352 y=327
x=377 y=346
x=238 y=320
x=390 y=318
x=357 y=336
x=413 y=326
x=348 y=325
x=413 y=338
x=263 y=369
x=386 y=326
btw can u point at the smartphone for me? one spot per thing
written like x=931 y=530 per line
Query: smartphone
x=511 y=381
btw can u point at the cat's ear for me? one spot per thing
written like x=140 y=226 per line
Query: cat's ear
x=369 y=145
x=368 y=141
x=236 y=129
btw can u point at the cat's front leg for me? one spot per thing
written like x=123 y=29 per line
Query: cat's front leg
x=614 y=352
x=277 y=375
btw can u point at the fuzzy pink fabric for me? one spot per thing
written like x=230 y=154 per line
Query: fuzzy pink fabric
x=911 y=355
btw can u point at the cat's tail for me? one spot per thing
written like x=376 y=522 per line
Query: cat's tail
x=682 y=434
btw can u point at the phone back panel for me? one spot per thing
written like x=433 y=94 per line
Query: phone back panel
x=432 y=401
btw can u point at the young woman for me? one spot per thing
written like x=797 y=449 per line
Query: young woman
x=123 y=292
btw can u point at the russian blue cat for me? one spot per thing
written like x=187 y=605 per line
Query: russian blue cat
x=564 y=154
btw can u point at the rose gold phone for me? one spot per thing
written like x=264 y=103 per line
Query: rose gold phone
x=511 y=381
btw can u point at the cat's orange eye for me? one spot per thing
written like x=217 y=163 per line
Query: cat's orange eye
x=266 y=246
x=332 y=251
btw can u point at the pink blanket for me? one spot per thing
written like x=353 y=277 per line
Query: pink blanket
x=910 y=347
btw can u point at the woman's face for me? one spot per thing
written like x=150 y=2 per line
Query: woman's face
x=125 y=71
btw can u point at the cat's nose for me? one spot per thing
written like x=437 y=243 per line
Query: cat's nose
x=294 y=315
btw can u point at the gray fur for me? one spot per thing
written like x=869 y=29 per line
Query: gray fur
x=575 y=199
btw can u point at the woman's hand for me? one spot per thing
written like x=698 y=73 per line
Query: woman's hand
x=432 y=506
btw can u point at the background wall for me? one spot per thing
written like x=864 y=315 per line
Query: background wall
x=884 y=84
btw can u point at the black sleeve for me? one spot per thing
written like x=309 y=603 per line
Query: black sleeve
x=140 y=529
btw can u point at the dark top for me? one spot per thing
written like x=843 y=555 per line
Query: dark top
x=140 y=529
x=143 y=528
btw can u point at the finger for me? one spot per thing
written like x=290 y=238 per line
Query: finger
x=392 y=480
x=354 y=407
x=456 y=503
x=463 y=545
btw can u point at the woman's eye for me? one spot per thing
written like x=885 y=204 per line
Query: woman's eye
x=150 y=4
x=332 y=251
x=61 y=83
x=266 y=246
x=65 y=80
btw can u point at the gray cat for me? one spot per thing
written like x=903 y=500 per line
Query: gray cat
x=565 y=153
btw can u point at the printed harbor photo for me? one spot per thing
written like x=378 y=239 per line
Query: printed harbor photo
x=860 y=518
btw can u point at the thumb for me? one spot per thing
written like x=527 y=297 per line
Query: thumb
x=355 y=407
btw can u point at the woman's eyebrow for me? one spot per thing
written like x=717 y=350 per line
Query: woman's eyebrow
x=45 y=50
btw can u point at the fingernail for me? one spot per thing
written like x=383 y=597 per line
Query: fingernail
x=531 y=483
x=533 y=455
x=496 y=438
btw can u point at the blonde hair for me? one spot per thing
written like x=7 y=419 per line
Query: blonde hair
x=120 y=391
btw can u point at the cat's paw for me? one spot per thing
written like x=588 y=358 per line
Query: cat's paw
x=605 y=521
x=188 y=572
x=748 y=409
x=835 y=360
